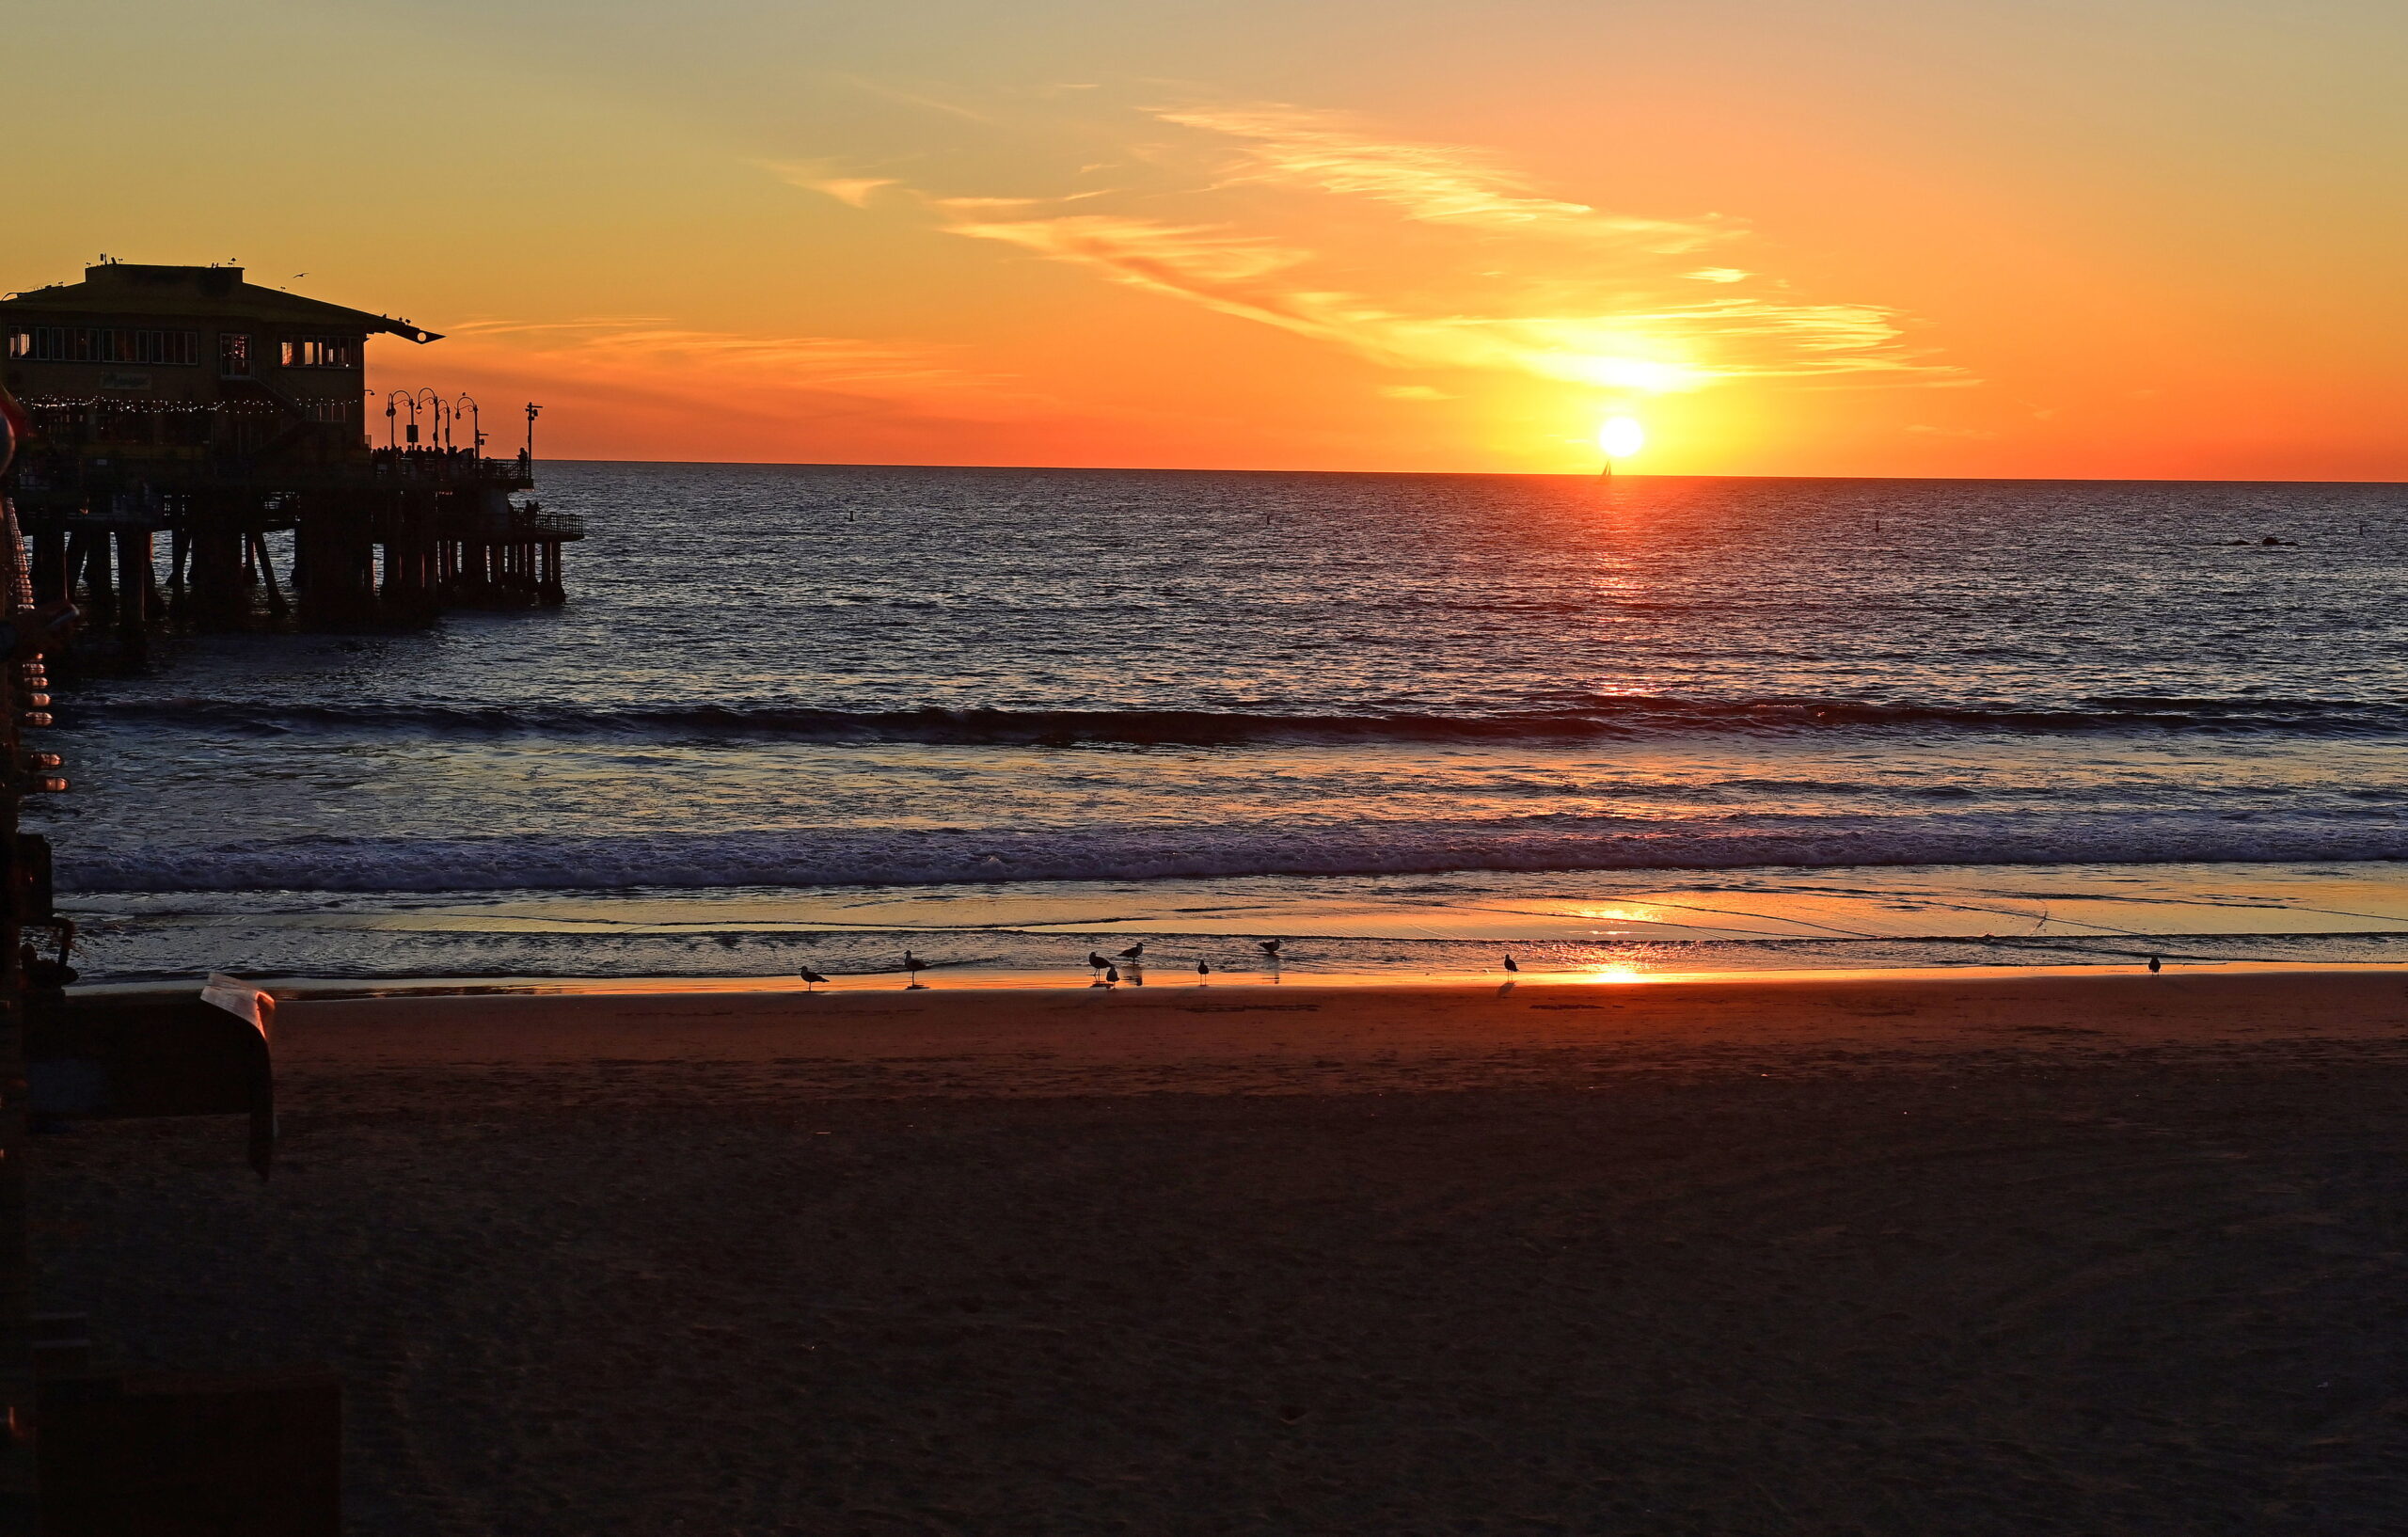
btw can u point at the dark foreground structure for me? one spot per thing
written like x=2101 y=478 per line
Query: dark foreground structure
x=190 y=402
x=88 y=1449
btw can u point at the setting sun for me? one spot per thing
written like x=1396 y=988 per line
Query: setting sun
x=1621 y=436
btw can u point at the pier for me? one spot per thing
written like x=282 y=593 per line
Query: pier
x=189 y=402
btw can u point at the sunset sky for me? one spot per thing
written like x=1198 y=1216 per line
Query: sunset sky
x=2146 y=238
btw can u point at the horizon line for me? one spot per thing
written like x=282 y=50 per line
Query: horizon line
x=1482 y=474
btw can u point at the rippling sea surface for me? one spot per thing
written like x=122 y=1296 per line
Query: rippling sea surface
x=809 y=713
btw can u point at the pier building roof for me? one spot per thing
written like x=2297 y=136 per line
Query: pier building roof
x=135 y=290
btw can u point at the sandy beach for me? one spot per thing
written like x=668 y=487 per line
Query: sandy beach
x=2007 y=1252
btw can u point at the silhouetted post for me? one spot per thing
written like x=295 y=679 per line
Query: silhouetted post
x=266 y=567
x=133 y=584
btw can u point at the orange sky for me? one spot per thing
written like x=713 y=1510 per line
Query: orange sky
x=1887 y=237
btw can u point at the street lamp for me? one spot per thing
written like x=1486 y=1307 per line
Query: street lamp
x=406 y=399
x=434 y=403
x=533 y=411
x=476 y=421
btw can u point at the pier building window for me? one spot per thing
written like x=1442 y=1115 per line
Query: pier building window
x=333 y=410
x=322 y=352
x=105 y=345
x=233 y=355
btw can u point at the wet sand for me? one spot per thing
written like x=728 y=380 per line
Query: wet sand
x=2030 y=1253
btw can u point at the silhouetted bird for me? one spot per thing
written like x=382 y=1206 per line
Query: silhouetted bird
x=1203 y=968
x=1096 y=961
x=812 y=978
x=1112 y=973
x=2154 y=963
x=1135 y=952
x=1511 y=964
x=1271 y=948
x=913 y=964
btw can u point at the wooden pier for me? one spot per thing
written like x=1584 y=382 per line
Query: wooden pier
x=187 y=402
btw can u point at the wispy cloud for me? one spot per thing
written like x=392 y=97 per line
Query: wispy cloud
x=753 y=375
x=1436 y=183
x=1431 y=256
x=1215 y=267
x=814 y=177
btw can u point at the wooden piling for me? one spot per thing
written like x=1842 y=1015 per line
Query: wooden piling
x=277 y=607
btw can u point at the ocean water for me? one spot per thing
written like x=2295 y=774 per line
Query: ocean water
x=817 y=713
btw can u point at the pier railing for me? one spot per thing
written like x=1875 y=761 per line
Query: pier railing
x=544 y=521
x=437 y=467
x=68 y=476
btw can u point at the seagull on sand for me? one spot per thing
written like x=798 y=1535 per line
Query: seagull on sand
x=914 y=965
x=1135 y=952
x=2153 y=964
x=1512 y=965
x=811 y=979
x=1203 y=968
x=1096 y=961
x=1271 y=948
x=1112 y=973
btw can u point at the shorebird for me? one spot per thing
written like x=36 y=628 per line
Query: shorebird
x=914 y=965
x=1271 y=948
x=1096 y=961
x=1203 y=968
x=1112 y=973
x=1135 y=952
x=1512 y=965
x=811 y=979
x=2153 y=963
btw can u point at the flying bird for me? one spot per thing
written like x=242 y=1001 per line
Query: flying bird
x=1135 y=952
x=1512 y=965
x=1271 y=948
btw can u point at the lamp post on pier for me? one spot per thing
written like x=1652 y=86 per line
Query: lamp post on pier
x=475 y=422
x=528 y=453
x=406 y=398
x=434 y=403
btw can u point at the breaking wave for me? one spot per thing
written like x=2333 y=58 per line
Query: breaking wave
x=838 y=857
x=1604 y=717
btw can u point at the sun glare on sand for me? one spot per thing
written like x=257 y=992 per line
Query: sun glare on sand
x=1616 y=973
x=1621 y=436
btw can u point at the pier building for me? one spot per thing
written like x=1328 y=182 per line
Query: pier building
x=192 y=402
